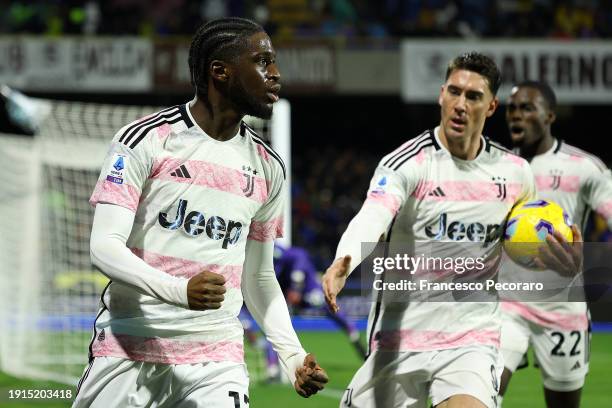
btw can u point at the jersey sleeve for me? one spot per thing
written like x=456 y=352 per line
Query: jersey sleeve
x=388 y=191
x=267 y=223
x=110 y=231
x=389 y=188
x=264 y=299
x=597 y=191
x=123 y=174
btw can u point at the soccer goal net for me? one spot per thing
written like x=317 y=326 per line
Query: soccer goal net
x=50 y=292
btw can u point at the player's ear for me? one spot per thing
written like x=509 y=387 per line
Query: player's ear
x=440 y=96
x=492 y=106
x=551 y=117
x=219 y=70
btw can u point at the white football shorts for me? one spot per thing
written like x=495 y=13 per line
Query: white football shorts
x=561 y=355
x=116 y=382
x=408 y=379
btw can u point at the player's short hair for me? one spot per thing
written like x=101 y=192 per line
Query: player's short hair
x=545 y=90
x=480 y=64
x=222 y=39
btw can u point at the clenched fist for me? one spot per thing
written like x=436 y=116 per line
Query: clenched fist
x=205 y=291
x=310 y=378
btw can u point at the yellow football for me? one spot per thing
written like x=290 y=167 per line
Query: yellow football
x=528 y=225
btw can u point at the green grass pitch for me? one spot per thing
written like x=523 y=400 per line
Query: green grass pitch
x=337 y=356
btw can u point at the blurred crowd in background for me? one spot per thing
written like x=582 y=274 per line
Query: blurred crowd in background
x=328 y=188
x=291 y=19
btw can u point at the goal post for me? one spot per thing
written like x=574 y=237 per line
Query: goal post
x=50 y=291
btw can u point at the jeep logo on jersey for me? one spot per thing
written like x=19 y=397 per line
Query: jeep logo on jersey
x=195 y=223
x=458 y=231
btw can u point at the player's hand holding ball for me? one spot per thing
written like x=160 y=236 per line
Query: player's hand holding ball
x=310 y=378
x=539 y=235
x=205 y=291
x=561 y=255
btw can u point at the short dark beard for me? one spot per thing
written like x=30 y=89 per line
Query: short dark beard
x=246 y=103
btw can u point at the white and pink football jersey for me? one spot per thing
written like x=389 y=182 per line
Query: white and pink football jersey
x=578 y=182
x=196 y=202
x=435 y=197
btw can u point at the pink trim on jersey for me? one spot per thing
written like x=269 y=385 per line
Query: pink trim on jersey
x=406 y=144
x=213 y=176
x=420 y=157
x=266 y=231
x=568 y=184
x=389 y=201
x=263 y=153
x=514 y=159
x=605 y=209
x=165 y=351
x=185 y=268
x=164 y=130
x=553 y=320
x=579 y=155
x=140 y=120
x=465 y=191
x=421 y=340
x=123 y=195
x=575 y=158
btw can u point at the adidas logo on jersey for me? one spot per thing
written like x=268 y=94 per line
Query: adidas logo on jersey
x=194 y=224
x=458 y=231
x=437 y=192
x=576 y=366
x=181 y=172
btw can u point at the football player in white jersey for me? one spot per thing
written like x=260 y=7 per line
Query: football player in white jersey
x=188 y=204
x=579 y=182
x=449 y=184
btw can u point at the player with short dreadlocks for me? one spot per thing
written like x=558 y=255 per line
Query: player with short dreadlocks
x=188 y=204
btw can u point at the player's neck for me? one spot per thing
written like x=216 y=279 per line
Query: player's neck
x=540 y=147
x=465 y=148
x=218 y=123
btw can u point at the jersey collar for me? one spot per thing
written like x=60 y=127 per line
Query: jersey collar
x=483 y=146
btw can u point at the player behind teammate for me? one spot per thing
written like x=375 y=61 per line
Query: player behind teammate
x=298 y=278
x=578 y=181
x=188 y=205
x=448 y=184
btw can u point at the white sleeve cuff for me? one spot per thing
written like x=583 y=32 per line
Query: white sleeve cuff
x=291 y=362
x=265 y=301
